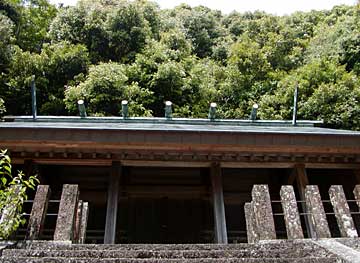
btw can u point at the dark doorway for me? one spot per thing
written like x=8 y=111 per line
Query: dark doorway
x=165 y=205
x=165 y=220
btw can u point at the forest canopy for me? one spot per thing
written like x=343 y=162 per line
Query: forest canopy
x=106 y=51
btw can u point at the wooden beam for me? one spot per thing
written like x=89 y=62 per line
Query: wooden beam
x=190 y=164
x=218 y=203
x=332 y=165
x=302 y=181
x=291 y=177
x=58 y=161
x=165 y=189
x=256 y=165
x=112 y=203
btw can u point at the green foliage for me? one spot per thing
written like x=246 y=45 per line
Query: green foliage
x=35 y=19
x=16 y=86
x=128 y=31
x=111 y=30
x=2 y=108
x=6 y=39
x=201 y=26
x=11 y=9
x=104 y=51
x=54 y=67
x=104 y=89
x=60 y=63
x=327 y=91
x=13 y=194
x=336 y=103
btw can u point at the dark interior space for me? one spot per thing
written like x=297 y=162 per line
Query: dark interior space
x=238 y=185
x=165 y=205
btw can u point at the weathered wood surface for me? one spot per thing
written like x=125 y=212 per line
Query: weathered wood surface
x=112 y=203
x=219 y=206
x=302 y=181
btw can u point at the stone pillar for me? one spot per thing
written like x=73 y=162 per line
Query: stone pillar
x=218 y=203
x=316 y=208
x=38 y=212
x=263 y=212
x=291 y=212
x=65 y=223
x=342 y=211
x=84 y=219
x=357 y=195
x=251 y=229
x=78 y=217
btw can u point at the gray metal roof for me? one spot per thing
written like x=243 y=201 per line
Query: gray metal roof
x=176 y=125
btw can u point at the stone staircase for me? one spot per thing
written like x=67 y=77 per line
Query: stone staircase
x=304 y=251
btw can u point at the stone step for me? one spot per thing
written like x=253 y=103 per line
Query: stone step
x=273 y=244
x=353 y=243
x=126 y=260
x=238 y=253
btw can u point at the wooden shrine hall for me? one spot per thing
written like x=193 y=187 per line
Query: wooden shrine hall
x=168 y=180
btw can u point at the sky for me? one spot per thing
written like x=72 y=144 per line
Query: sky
x=278 y=7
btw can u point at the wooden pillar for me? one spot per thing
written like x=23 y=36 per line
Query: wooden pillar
x=112 y=203
x=218 y=203
x=302 y=181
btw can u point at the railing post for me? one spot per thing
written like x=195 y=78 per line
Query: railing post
x=65 y=223
x=263 y=212
x=342 y=211
x=38 y=212
x=78 y=217
x=357 y=195
x=251 y=229
x=84 y=220
x=316 y=208
x=291 y=212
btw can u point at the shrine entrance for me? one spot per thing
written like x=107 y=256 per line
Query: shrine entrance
x=165 y=205
x=166 y=220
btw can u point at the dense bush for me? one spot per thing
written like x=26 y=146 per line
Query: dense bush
x=106 y=51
